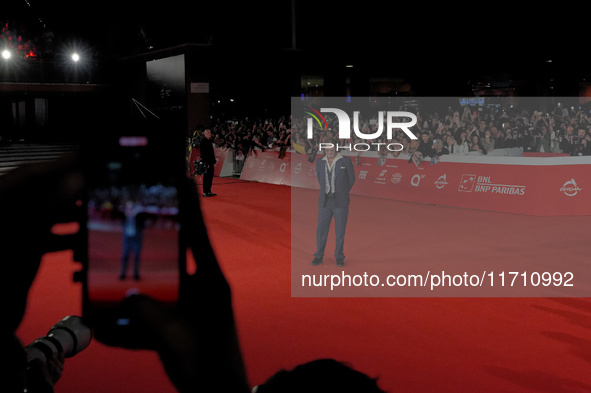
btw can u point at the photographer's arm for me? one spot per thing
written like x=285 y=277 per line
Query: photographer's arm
x=197 y=342
x=32 y=199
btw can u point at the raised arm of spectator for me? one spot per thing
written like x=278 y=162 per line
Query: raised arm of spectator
x=456 y=119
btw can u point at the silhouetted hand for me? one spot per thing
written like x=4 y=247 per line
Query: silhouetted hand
x=196 y=341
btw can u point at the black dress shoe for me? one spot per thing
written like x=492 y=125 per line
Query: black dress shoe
x=340 y=262
x=317 y=261
x=209 y=194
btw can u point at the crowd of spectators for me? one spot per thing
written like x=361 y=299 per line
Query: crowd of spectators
x=248 y=136
x=462 y=130
x=466 y=130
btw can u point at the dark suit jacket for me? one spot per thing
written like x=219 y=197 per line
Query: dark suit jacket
x=344 y=180
x=206 y=151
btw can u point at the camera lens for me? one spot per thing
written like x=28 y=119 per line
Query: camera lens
x=69 y=336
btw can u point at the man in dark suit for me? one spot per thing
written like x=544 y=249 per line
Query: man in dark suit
x=336 y=177
x=208 y=157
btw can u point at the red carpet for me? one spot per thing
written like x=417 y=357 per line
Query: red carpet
x=411 y=344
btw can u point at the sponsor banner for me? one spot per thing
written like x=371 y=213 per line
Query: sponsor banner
x=544 y=190
x=267 y=167
x=522 y=189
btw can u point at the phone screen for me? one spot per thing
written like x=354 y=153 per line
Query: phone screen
x=132 y=224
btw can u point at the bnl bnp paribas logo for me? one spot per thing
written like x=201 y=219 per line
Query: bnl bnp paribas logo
x=390 y=120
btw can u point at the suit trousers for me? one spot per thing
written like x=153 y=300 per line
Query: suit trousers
x=131 y=245
x=325 y=216
x=208 y=179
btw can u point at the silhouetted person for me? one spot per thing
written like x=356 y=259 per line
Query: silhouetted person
x=320 y=376
x=208 y=157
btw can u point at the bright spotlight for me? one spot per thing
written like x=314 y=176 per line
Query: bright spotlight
x=6 y=54
x=75 y=57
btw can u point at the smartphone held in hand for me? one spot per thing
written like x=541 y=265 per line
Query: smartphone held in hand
x=132 y=225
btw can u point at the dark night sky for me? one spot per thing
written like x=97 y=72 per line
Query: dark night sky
x=441 y=39
x=362 y=27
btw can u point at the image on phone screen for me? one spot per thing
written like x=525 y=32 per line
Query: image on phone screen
x=133 y=227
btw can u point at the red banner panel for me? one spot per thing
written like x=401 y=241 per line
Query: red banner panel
x=534 y=186
x=267 y=167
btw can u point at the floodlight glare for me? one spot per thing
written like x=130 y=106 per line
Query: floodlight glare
x=6 y=54
x=75 y=57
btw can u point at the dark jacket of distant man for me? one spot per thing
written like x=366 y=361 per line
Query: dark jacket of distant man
x=208 y=157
